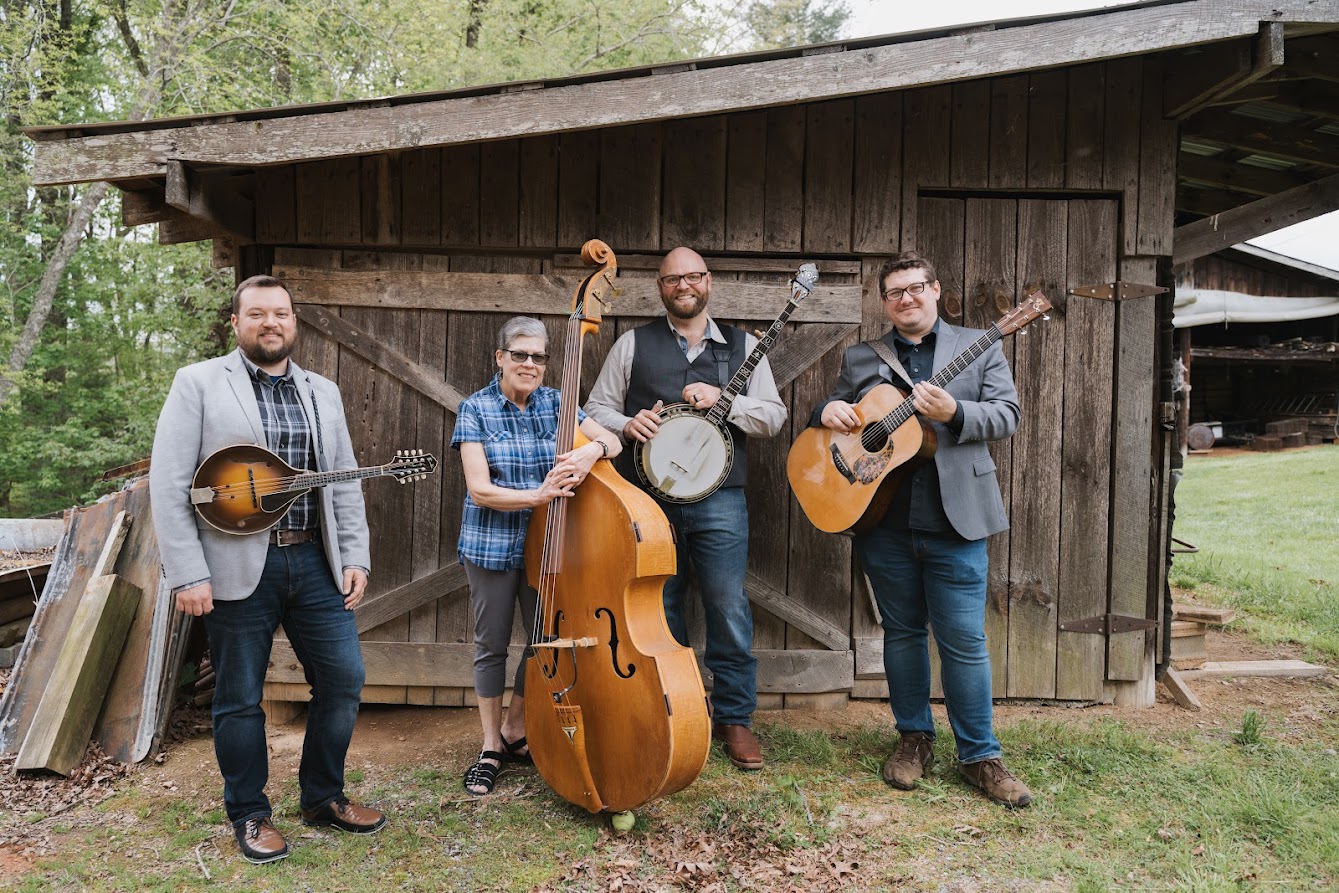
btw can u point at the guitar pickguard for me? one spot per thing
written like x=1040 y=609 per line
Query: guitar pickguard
x=867 y=469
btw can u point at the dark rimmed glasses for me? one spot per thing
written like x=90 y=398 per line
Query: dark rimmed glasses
x=914 y=289
x=672 y=280
x=520 y=356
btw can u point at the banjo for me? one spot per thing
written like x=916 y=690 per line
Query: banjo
x=692 y=451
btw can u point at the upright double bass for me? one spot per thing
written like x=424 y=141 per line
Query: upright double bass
x=615 y=712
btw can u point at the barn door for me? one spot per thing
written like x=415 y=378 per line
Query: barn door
x=1055 y=563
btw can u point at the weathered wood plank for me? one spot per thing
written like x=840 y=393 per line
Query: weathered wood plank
x=276 y=205
x=1008 y=132
x=381 y=220
x=547 y=294
x=801 y=347
x=1046 y=129
x=420 y=195
x=1084 y=135
x=1131 y=468
x=1039 y=354
x=1120 y=169
x=693 y=202
x=650 y=263
x=444 y=583
x=784 y=199
x=877 y=205
x=969 y=150
x=460 y=196
x=1085 y=456
x=927 y=113
x=539 y=192
x=829 y=151
x=500 y=194
x=745 y=181
x=811 y=623
x=1157 y=168
x=1204 y=237
x=73 y=694
x=578 y=187
x=710 y=90
x=426 y=381
x=630 y=167
x=990 y=275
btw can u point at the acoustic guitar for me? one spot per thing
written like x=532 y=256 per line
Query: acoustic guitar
x=692 y=452
x=246 y=489
x=845 y=482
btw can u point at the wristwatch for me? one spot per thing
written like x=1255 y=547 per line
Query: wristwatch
x=604 y=448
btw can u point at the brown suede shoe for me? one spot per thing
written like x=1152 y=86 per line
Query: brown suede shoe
x=996 y=782
x=915 y=753
x=260 y=841
x=346 y=816
x=740 y=746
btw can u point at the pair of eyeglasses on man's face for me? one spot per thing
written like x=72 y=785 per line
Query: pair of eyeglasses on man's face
x=520 y=356
x=672 y=281
x=914 y=289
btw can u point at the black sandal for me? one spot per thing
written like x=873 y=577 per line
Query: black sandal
x=513 y=749
x=483 y=774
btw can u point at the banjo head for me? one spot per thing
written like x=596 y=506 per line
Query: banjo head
x=687 y=459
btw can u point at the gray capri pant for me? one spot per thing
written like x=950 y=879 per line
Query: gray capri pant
x=493 y=596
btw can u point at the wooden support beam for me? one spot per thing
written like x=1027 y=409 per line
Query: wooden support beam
x=1206 y=236
x=144 y=206
x=363 y=128
x=385 y=606
x=1313 y=57
x=427 y=382
x=801 y=348
x=1238 y=177
x=210 y=197
x=547 y=294
x=1202 y=75
x=74 y=693
x=1287 y=141
x=797 y=615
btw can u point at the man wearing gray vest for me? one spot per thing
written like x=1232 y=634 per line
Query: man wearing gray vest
x=686 y=357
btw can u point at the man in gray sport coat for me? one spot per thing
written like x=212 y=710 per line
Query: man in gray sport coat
x=927 y=558
x=307 y=573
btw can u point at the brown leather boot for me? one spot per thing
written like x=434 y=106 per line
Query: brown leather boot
x=914 y=754
x=741 y=746
x=345 y=815
x=996 y=782
x=260 y=841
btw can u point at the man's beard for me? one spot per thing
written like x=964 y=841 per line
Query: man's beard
x=699 y=304
x=259 y=354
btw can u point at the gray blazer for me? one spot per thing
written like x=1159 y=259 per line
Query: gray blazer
x=985 y=391
x=212 y=405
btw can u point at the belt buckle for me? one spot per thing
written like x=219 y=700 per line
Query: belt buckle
x=281 y=538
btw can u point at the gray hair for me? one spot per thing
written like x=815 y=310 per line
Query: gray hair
x=521 y=327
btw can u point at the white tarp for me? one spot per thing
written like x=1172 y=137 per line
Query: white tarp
x=1203 y=306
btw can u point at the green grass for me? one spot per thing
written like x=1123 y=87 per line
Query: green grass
x=1267 y=528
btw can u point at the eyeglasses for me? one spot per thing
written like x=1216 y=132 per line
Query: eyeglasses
x=520 y=356
x=672 y=281
x=914 y=289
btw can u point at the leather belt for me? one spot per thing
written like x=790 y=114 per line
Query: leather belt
x=293 y=537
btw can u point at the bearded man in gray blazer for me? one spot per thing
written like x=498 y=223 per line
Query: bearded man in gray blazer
x=927 y=558
x=307 y=573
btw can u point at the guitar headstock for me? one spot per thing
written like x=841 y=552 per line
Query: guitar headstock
x=1034 y=305
x=411 y=465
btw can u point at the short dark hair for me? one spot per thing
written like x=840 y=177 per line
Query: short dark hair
x=264 y=280
x=907 y=260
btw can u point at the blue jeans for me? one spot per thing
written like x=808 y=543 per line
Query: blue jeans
x=939 y=578
x=295 y=590
x=713 y=539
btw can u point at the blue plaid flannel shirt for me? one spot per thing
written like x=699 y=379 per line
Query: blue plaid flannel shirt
x=521 y=449
x=288 y=435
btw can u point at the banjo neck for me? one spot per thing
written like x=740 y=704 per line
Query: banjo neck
x=721 y=410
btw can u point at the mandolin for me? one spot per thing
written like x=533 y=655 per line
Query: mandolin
x=845 y=482
x=692 y=452
x=246 y=489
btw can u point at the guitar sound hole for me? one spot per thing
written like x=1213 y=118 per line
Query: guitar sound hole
x=874 y=439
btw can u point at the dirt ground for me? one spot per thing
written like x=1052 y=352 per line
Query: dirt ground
x=447 y=739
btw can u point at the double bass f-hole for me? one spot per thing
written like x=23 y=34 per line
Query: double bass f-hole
x=613 y=645
x=551 y=668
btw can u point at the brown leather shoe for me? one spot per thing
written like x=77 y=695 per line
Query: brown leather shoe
x=346 y=816
x=260 y=841
x=996 y=782
x=740 y=746
x=915 y=753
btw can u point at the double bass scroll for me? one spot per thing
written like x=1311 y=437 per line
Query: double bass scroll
x=615 y=711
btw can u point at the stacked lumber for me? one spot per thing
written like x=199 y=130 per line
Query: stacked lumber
x=1190 y=626
x=19 y=588
x=1266 y=443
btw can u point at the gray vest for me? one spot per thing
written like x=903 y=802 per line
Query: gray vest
x=660 y=371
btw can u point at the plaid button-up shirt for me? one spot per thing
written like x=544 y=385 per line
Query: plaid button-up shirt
x=521 y=448
x=288 y=435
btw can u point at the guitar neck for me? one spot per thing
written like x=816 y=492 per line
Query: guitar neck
x=905 y=410
x=718 y=413
x=324 y=478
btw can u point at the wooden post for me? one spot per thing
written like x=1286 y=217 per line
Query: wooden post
x=73 y=698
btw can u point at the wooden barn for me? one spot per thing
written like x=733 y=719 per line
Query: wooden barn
x=1082 y=152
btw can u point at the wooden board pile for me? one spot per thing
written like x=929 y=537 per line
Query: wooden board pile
x=1190 y=625
x=104 y=650
x=18 y=601
x=1283 y=434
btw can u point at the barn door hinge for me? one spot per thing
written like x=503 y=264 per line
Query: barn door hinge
x=1117 y=291
x=1107 y=624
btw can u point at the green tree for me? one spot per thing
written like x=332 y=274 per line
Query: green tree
x=788 y=23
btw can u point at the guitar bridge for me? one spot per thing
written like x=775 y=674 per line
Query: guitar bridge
x=202 y=495
x=842 y=468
